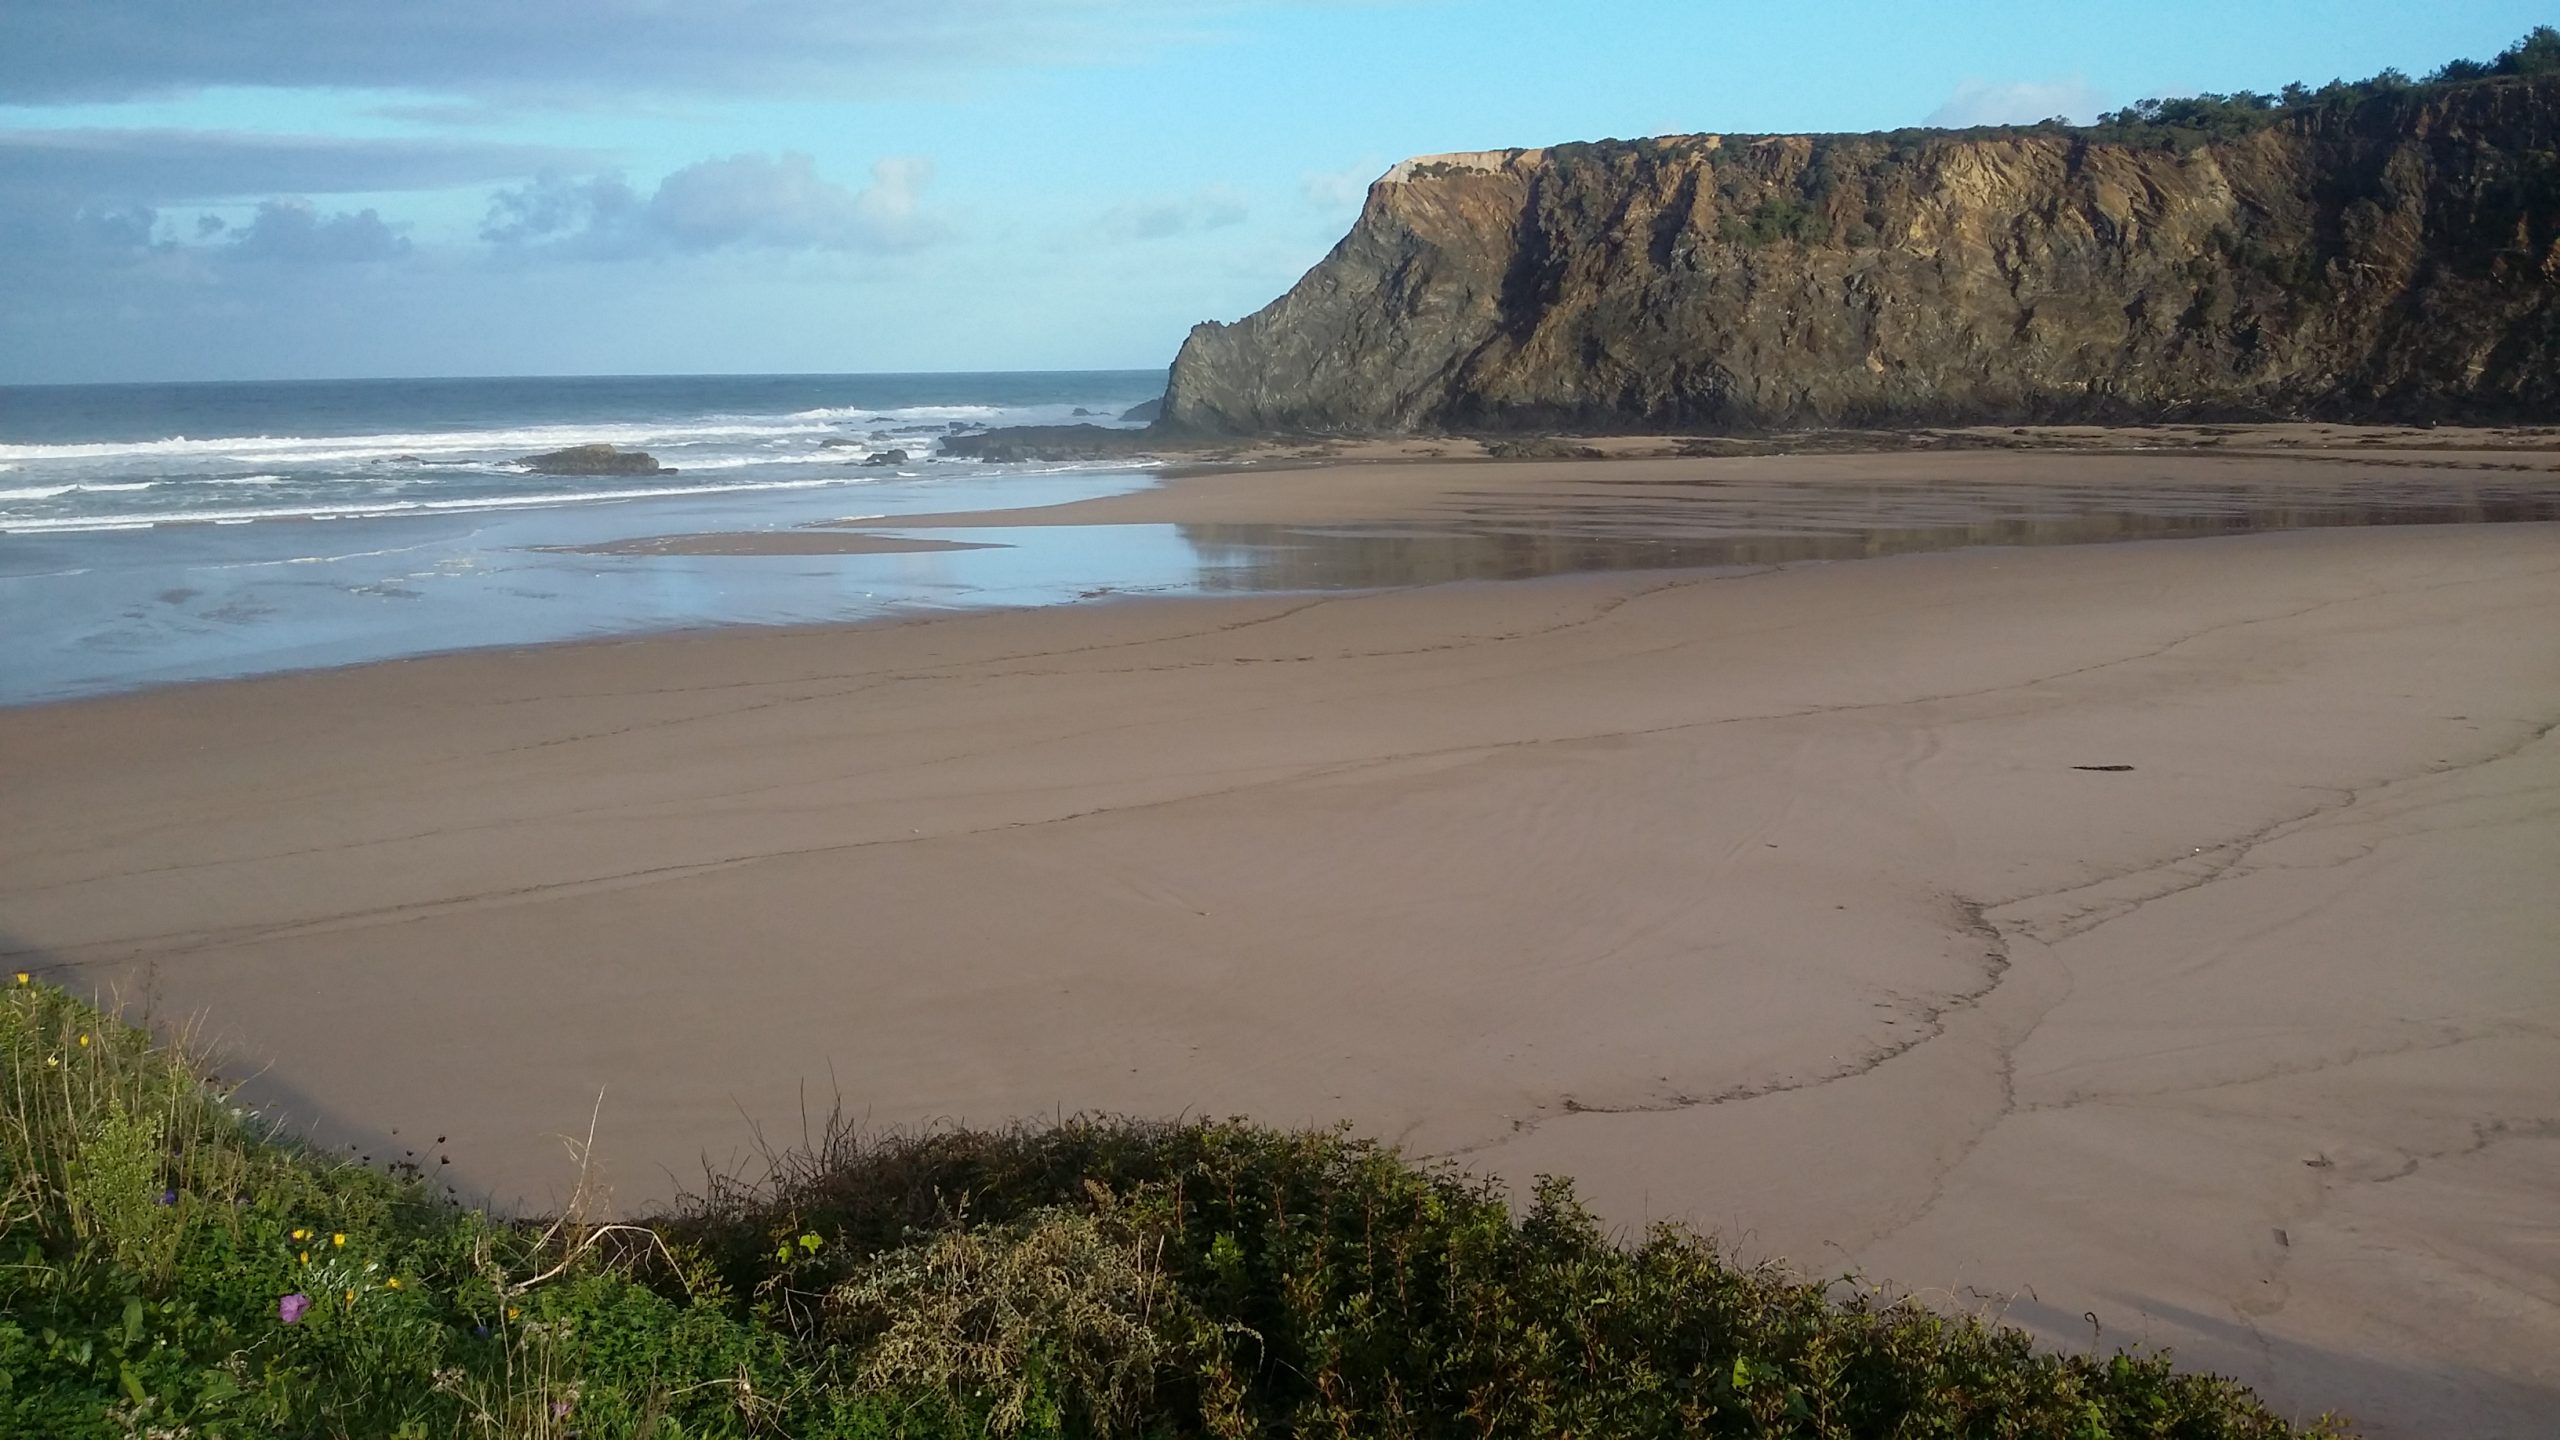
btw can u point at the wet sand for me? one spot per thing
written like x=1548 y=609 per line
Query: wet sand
x=2163 y=931
x=1642 y=491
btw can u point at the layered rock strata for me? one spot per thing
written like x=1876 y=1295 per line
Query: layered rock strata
x=2397 y=259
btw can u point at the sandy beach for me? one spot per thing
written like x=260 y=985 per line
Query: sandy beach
x=2162 y=932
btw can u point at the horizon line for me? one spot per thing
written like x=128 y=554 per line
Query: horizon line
x=598 y=375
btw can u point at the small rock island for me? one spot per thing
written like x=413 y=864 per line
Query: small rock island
x=595 y=460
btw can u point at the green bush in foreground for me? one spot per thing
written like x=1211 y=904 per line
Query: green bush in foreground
x=171 y=1267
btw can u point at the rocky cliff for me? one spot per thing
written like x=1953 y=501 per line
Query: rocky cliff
x=2394 y=259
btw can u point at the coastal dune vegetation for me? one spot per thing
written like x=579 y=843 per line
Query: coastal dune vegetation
x=177 y=1265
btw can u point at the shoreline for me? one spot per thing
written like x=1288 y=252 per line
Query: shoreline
x=1811 y=903
x=2133 y=928
x=1377 y=514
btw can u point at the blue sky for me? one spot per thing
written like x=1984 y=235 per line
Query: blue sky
x=216 y=189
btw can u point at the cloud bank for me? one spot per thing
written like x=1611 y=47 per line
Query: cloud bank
x=1211 y=209
x=744 y=201
x=170 y=167
x=295 y=232
x=83 y=206
x=67 y=51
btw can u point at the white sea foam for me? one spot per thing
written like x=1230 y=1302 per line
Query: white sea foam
x=838 y=455
x=430 y=445
x=507 y=502
x=358 y=510
x=173 y=481
x=48 y=492
x=315 y=559
x=327 y=449
x=911 y=414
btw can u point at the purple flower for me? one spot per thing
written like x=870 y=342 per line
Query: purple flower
x=559 y=1409
x=291 y=1308
x=169 y=1196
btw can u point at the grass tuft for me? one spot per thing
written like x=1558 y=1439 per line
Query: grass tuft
x=171 y=1266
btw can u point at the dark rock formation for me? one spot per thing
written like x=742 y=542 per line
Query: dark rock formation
x=886 y=457
x=1538 y=447
x=1145 y=414
x=1054 y=443
x=595 y=460
x=2397 y=258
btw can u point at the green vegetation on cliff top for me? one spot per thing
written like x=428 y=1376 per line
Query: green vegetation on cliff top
x=2187 y=122
x=178 y=1267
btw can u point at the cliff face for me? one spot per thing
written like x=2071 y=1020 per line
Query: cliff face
x=2399 y=260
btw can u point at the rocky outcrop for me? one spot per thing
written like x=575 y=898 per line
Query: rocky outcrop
x=1053 y=444
x=2394 y=259
x=594 y=460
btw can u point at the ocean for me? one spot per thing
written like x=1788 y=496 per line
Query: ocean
x=100 y=457
x=167 y=532
x=152 y=534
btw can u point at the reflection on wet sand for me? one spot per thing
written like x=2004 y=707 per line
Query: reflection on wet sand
x=1709 y=524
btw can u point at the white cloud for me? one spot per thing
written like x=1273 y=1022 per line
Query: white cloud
x=1337 y=192
x=295 y=231
x=1212 y=209
x=745 y=201
x=2024 y=102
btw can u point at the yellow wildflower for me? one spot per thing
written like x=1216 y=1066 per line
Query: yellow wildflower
x=339 y=1240
x=24 y=977
x=304 y=1257
x=84 y=1042
x=391 y=1284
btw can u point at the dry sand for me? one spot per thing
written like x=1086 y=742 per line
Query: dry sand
x=2162 y=931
